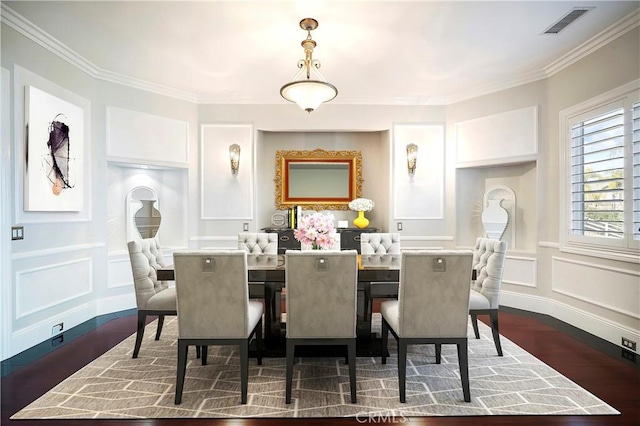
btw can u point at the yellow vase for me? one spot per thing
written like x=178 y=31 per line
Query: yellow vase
x=361 y=221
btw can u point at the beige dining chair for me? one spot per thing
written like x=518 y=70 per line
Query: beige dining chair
x=153 y=297
x=264 y=243
x=258 y=242
x=488 y=262
x=214 y=309
x=321 y=305
x=377 y=243
x=432 y=308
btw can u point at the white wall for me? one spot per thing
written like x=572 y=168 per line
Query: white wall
x=44 y=292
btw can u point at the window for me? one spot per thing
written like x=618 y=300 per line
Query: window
x=600 y=142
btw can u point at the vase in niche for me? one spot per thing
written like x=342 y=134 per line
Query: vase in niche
x=361 y=221
x=495 y=219
x=147 y=219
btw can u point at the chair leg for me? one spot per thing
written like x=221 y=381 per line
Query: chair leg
x=204 y=354
x=244 y=370
x=493 y=315
x=182 y=369
x=351 y=349
x=463 y=364
x=438 y=353
x=160 y=324
x=474 y=323
x=290 y=350
x=385 y=340
x=142 y=318
x=402 y=369
x=259 y=341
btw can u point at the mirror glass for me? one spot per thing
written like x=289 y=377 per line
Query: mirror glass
x=147 y=219
x=142 y=212
x=318 y=179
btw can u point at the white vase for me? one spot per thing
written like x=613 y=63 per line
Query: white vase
x=495 y=219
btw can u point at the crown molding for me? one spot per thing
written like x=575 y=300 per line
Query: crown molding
x=28 y=29
x=605 y=37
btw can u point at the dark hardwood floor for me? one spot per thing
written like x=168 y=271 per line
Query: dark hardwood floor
x=607 y=375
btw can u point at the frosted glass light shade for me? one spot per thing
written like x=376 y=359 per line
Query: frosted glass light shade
x=308 y=94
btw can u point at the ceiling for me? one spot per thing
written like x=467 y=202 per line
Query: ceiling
x=374 y=52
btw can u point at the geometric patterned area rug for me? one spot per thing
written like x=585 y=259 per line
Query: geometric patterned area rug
x=117 y=386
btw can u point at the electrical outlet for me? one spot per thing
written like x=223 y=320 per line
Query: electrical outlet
x=57 y=340
x=245 y=227
x=57 y=329
x=399 y=226
x=626 y=354
x=629 y=344
x=17 y=233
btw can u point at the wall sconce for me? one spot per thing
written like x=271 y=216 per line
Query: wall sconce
x=412 y=157
x=234 y=157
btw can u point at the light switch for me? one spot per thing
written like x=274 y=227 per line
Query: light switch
x=245 y=227
x=399 y=226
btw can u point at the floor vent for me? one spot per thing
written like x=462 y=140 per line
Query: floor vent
x=567 y=19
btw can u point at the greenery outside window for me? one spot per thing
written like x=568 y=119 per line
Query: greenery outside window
x=600 y=160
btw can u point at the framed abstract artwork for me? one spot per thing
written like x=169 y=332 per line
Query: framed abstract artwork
x=54 y=153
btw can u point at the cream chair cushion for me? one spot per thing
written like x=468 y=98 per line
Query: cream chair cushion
x=379 y=243
x=258 y=242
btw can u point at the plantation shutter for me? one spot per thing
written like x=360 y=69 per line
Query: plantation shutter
x=597 y=176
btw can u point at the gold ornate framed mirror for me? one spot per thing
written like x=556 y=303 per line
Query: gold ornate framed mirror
x=318 y=179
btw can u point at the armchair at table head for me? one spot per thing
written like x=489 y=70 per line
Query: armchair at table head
x=380 y=243
x=488 y=262
x=258 y=242
x=153 y=297
x=432 y=307
x=321 y=305
x=214 y=309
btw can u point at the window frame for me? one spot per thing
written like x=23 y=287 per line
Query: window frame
x=626 y=249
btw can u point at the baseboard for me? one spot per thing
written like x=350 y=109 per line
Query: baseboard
x=602 y=328
x=41 y=331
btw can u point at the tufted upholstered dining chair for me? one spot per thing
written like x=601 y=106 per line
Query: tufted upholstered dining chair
x=214 y=309
x=321 y=305
x=432 y=308
x=377 y=243
x=488 y=262
x=264 y=243
x=153 y=297
x=258 y=242
x=380 y=243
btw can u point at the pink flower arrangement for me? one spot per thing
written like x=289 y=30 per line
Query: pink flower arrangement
x=316 y=230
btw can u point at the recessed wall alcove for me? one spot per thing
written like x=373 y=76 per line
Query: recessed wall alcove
x=471 y=186
x=374 y=147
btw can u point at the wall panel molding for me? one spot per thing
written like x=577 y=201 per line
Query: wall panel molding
x=44 y=287
x=33 y=254
x=592 y=283
x=521 y=271
x=480 y=141
x=234 y=195
x=143 y=138
x=421 y=195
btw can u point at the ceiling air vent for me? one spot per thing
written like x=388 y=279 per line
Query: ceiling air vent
x=567 y=19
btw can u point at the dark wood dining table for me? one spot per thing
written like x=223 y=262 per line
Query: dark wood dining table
x=378 y=277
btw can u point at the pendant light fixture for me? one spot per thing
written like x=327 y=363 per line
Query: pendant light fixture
x=308 y=88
